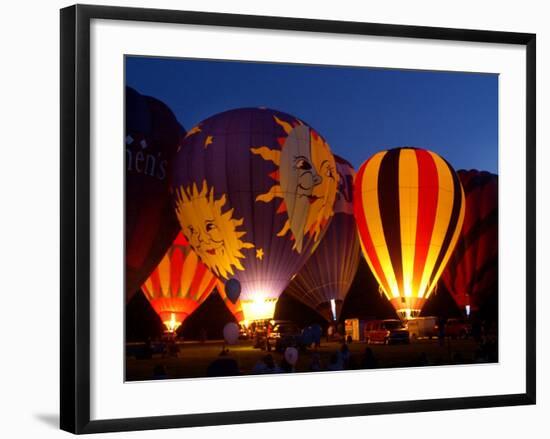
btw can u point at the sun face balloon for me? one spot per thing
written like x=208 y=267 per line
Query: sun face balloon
x=472 y=272
x=409 y=207
x=254 y=191
x=325 y=279
x=214 y=236
x=152 y=138
x=179 y=284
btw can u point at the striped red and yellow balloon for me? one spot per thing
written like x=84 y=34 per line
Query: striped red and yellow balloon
x=179 y=284
x=409 y=208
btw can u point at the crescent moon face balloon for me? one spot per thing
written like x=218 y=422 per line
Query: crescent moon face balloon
x=254 y=191
x=179 y=284
x=326 y=278
x=472 y=272
x=409 y=207
x=152 y=138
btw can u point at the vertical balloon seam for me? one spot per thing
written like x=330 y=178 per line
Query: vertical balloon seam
x=369 y=249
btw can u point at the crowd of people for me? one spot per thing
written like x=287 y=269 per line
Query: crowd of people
x=225 y=364
x=314 y=359
x=341 y=359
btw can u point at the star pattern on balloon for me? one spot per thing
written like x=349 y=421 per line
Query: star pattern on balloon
x=208 y=141
x=260 y=253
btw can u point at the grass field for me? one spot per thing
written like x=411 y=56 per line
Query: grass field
x=193 y=358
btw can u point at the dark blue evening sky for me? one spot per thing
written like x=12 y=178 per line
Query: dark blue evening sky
x=359 y=111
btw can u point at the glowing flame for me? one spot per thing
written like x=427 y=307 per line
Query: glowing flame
x=259 y=308
x=333 y=308
x=172 y=325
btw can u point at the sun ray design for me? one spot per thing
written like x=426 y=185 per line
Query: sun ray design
x=212 y=233
x=305 y=180
x=196 y=129
x=287 y=127
x=268 y=154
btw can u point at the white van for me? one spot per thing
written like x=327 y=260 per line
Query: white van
x=423 y=327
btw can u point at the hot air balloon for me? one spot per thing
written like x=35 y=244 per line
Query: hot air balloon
x=471 y=274
x=409 y=207
x=152 y=137
x=254 y=191
x=325 y=279
x=179 y=284
x=234 y=307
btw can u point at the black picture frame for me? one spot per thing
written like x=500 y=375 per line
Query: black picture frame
x=75 y=217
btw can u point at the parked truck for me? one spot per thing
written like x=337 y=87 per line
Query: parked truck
x=423 y=327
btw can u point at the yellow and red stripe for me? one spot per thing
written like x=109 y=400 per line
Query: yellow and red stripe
x=409 y=208
x=179 y=284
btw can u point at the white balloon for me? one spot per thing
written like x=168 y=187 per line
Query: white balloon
x=231 y=333
x=291 y=355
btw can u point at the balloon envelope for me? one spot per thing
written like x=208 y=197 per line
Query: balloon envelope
x=325 y=279
x=152 y=137
x=231 y=333
x=179 y=284
x=233 y=289
x=472 y=272
x=291 y=355
x=409 y=208
x=234 y=307
x=254 y=191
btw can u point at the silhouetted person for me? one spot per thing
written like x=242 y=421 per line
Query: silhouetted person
x=317 y=341
x=345 y=355
x=266 y=365
x=330 y=332
x=222 y=366
x=316 y=365
x=173 y=348
x=159 y=372
x=369 y=361
x=286 y=366
x=335 y=362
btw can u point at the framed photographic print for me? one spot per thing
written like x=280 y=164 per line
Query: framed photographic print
x=267 y=219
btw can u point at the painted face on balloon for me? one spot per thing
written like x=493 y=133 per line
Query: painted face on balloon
x=324 y=193
x=307 y=181
x=212 y=234
x=299 y=178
